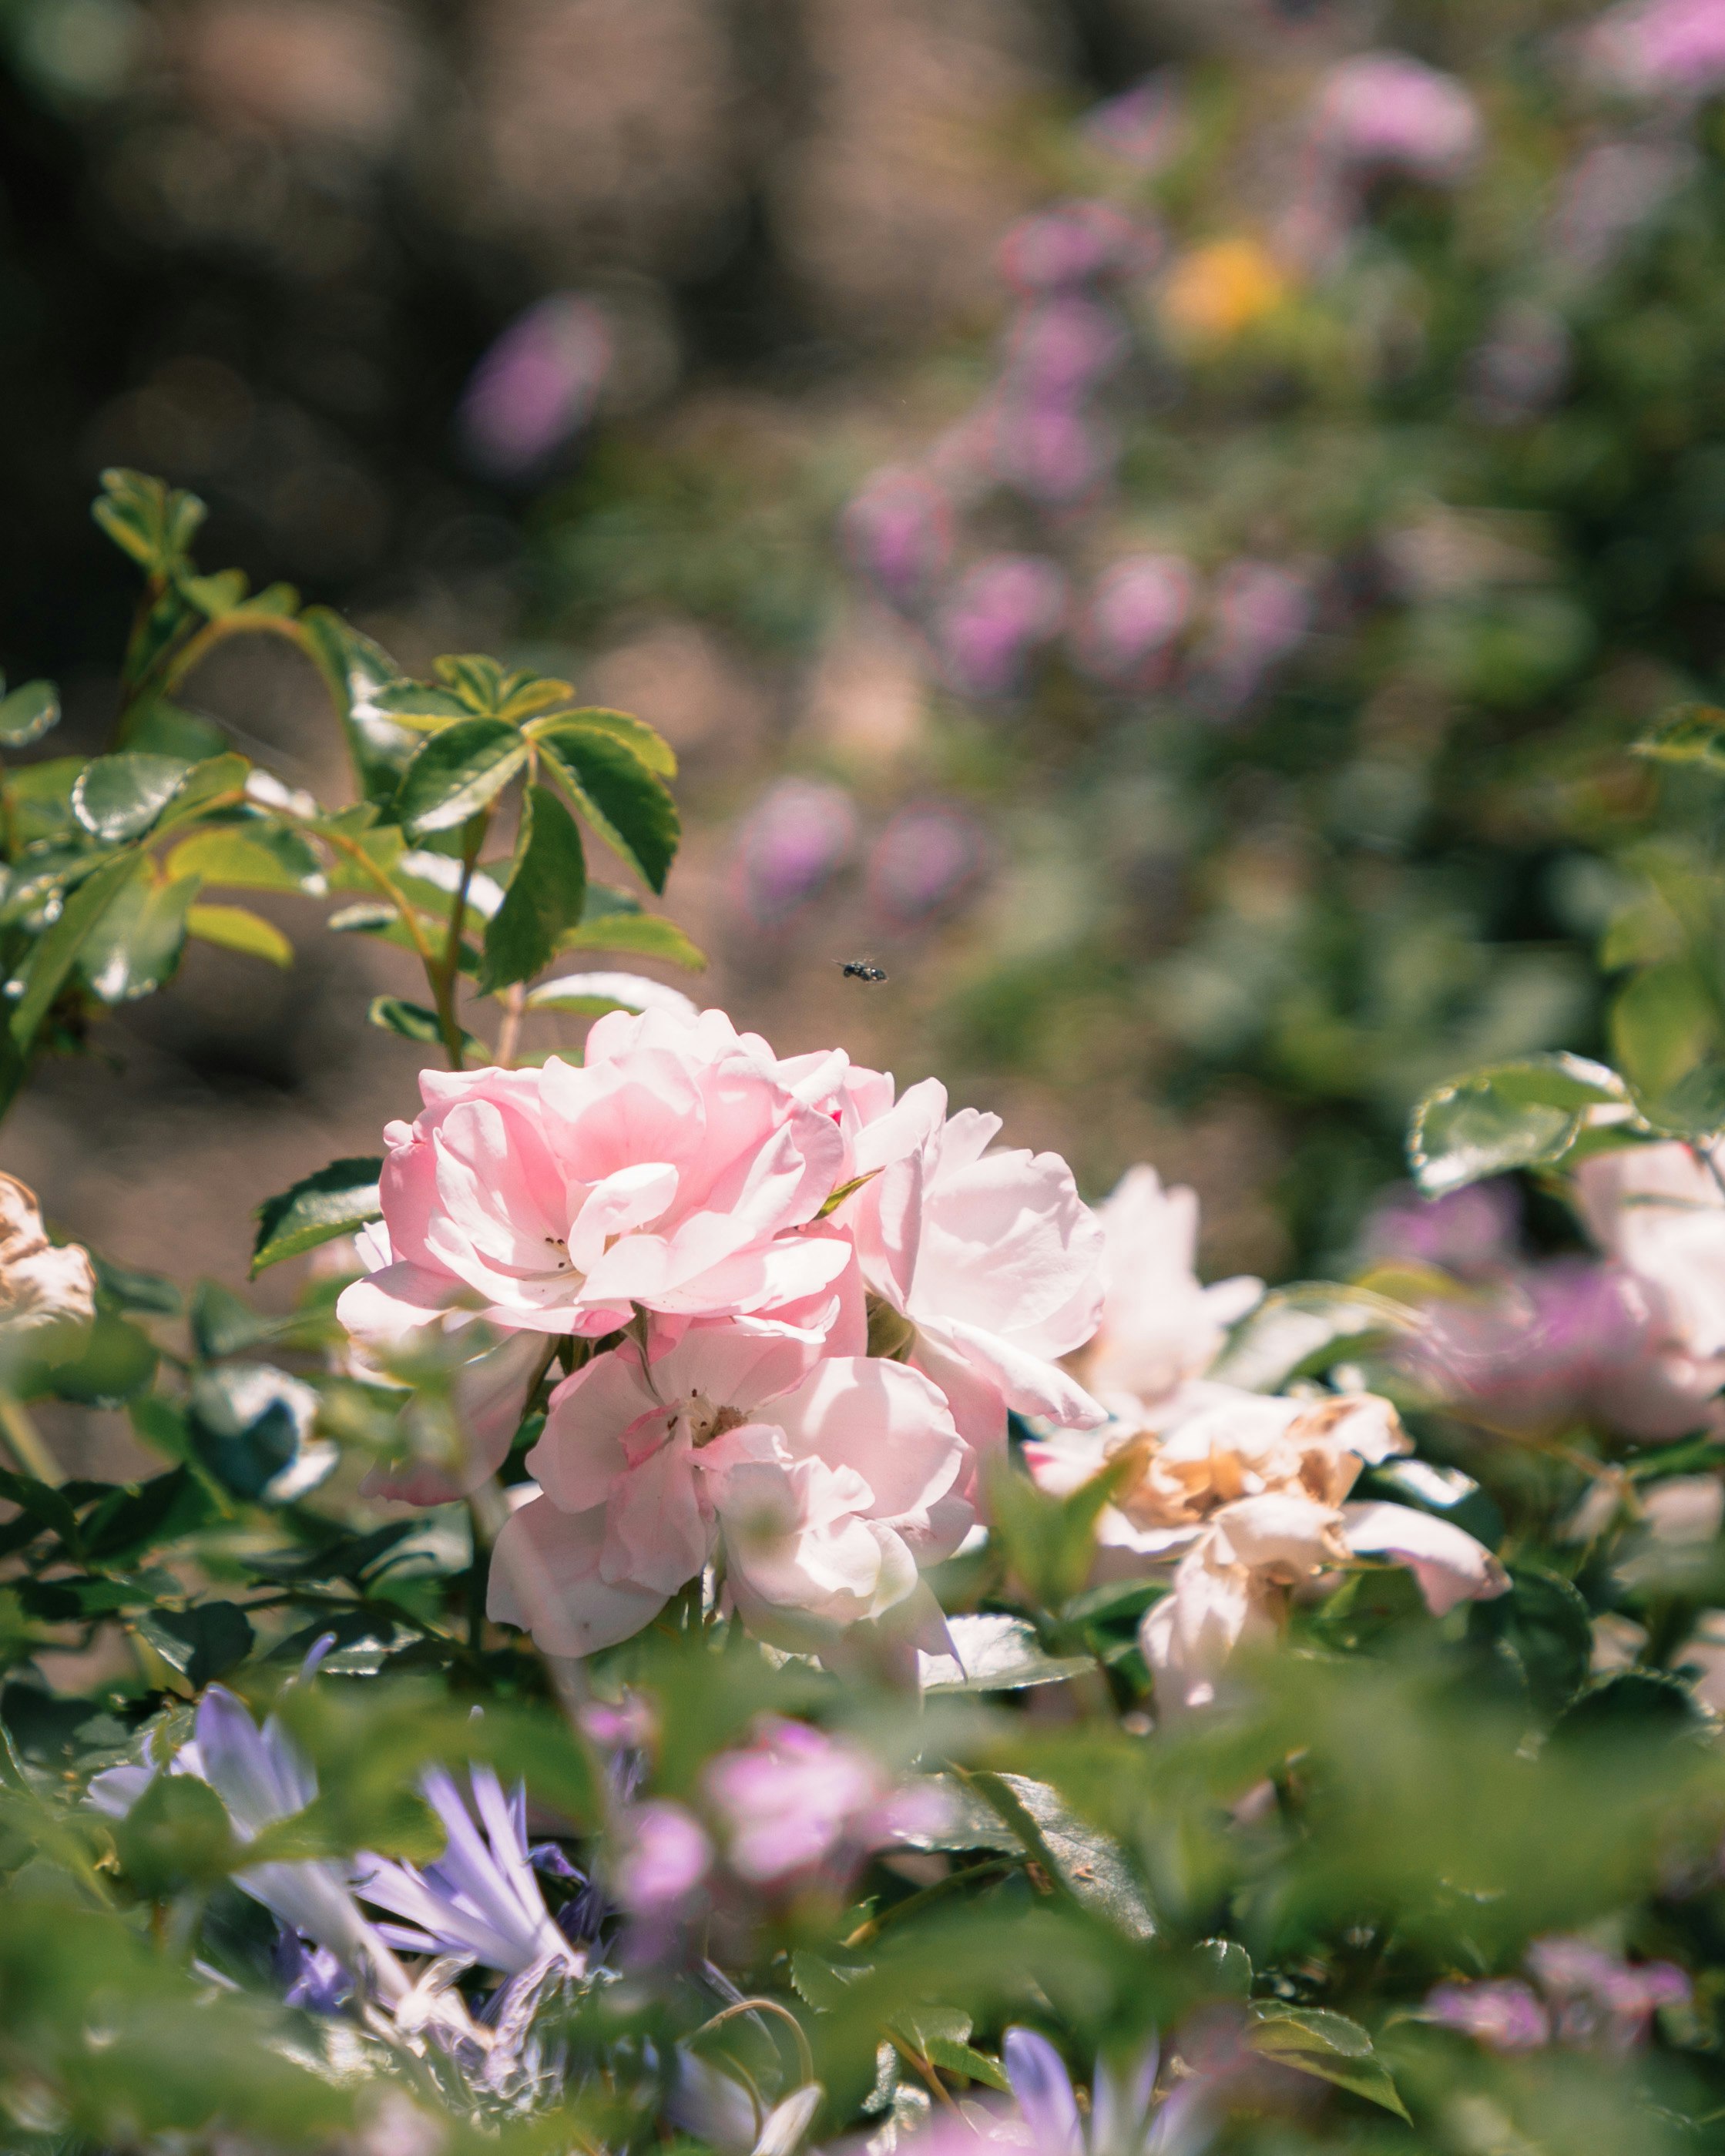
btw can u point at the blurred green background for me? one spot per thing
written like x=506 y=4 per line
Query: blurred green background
x=1153 y=524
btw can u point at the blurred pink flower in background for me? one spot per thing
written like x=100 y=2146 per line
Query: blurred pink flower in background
x=790 y=845
x=796 y=1802
x=1070 y=244
x=1468 y=1232
x=897 y=533
x=1587 y=2000
x=537 y=386
x=1660 y=48
x=1131 y=627
x=1051 y=452
x=928 y=860
x=1504 y=2014
x=1062 y=347
x=1142 y=126
x=1259 y=614
x=665 y=1855
x=1386 y=111
x=1004 y=608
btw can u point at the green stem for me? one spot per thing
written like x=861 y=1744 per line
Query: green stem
x=24 y=1441
x=445 y=974
x=173 y=669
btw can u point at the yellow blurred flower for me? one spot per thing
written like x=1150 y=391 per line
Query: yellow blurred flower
x=1214 y=292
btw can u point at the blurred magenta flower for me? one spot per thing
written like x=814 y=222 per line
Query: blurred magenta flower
x=1070 y=244
x=795 y=839
x=929 y=857
x=1142 y=126
x=1061 y=347
x=1660 y=48
x=537 y=386
x=1504 y=2015
x=897 y=533
x=1051 y=452
x=1133 y=624
x=1002 y=609
x=1471 y=1232
x=797 y=1802
x=1259 y=613
x=665 y=1855
x=1386 y=111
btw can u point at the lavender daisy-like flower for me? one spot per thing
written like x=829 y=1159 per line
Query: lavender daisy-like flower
x=481 y=1899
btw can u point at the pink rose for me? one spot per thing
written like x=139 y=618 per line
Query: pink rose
x=674 y=1170
x=824 y=1482
x=796 y=1801
x=994 y=1257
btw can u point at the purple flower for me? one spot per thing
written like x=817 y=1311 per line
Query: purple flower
x=897 y=532
x=1003 y=608
x=481 y=1898
x=1124 y=2117
x=1068 y=245
x=797 y=1802
x=1060 y=348
x=791 y=843
x=1134 y=619
x=664 y=1857
x=310 y=1976
x=1504 y=2015
x=1259 y=613
x=1470 y=1233
x=929 y=857
x=1387 y=112
x=1662 y=48
x=537 y=386
x=1143 y=126
x=1049 y=452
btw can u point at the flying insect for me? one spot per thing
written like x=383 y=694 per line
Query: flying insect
x=858 y=969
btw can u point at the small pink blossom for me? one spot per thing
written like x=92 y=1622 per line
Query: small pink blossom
x=665 y=1855
x=796 y=1801
x=1003 y=608
x=1134 y=621
x=1388 y=111
x=790 y=845
x=537 y=385
x=898 y=534
x=928 y=860
x=1505 y=2016
x=1068 y=245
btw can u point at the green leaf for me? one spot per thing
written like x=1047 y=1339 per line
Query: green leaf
x=128 y=1287
x=1089 y=1864
x=1300 y=1330
x=201 y=1643
x=651 y=747
x=1630 y=1707
x=333 y=1202
x=545 y=896
x=414 y=1022
x=1314 y=2042
x=217 y=780
x=157 y=725
x=1050 y=1540
x=128 y=1521
x=147 y=519
x=256 y=855
x=590 y=995
x=223 y=1324
x=1666 y=1034
x=395 y=1823
x=117 y=1360
x=136 y=946
x=356 y=671
x=1691 y=733
x=955 y=2058
x=248 y=1423
x=57 y=953
x=644 y=935
x=119 y=797
x=44 y=1503
x=216 y=595
x=236 y=929
x=28 y=713
x=457 y=773
x=177 y=1835
x=1509 y=1116
x=419 y=704
x=1544 y=1625
x=626 y=804
x=996 y=1653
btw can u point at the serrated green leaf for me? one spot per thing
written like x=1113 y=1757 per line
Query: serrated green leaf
x=625 y=803
x=458 y=773
x=147 y=519
x=235 y=929
x=201 y=1643
x=1315 y=2041
x=250 y=857
x=1546 y=1625
x=996 y=1653
x=652 y=748
x=28 y=713
x=1089 y=1864
x=954 y=2058
x=642 y=935
x=136 y=946
x=1509 y=1116
x=544 y=898
x=57 y=952
x=414 y=1022
x=119 y=797
x=419 y=704
x=333 y=1202
x=355 y=670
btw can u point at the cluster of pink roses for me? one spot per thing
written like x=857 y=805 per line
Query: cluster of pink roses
x=728 y=1234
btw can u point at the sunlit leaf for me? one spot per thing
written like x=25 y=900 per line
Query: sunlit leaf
x=119 y=797
x=1691 y=733
x=28 y=713
x=459 y=771
x=1514 y=1115
x=996 y=1654
x=544 y=897
x=136 y=946
x=626 y=804
x=235 y=929
x=642 y=935
x=1315 y=2041
x=334 y=1201
x=587 y=995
